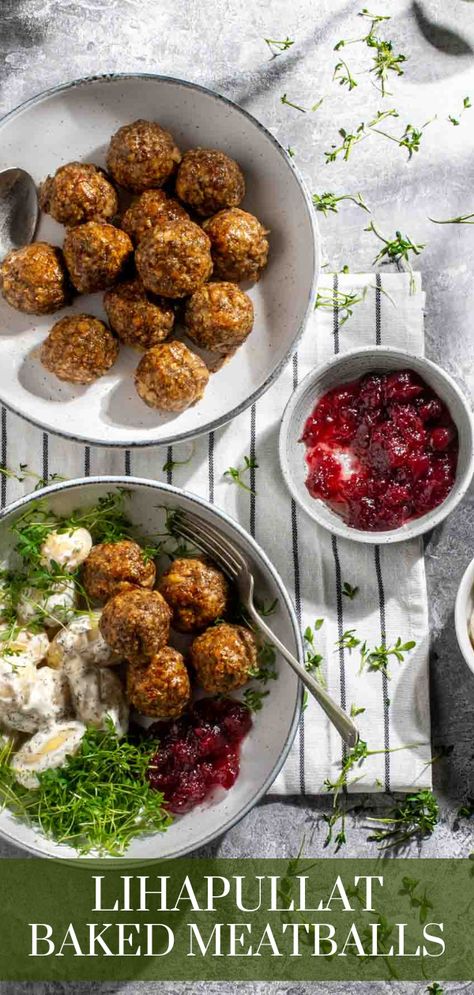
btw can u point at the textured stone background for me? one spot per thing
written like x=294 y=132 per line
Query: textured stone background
x=220 y=43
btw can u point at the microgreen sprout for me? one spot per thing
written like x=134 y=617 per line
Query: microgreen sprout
x=313 y=659
x=417 y=815
x=254 y=699
x=171 y=463
x=466 y=104
x=349 y=591
x=278 y=47
x=289 y=103
x=235 y=473
x=327 y=202
x=463 y=219
x=397 y=250
x=343 y=76
x=345 y=303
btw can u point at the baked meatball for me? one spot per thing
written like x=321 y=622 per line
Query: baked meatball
x=239 y=244
x=136 y=624
x=223 y=657
x=34 y=279
x=96 y=255
x=174 y=260
x=209 y=180
x=79 y=349
x=160 y=688
x=137 y=319
x=112 y=567
x=78 y=192
x=196 y=591
x=170 y=377
x=219 y=316
x=142 y=155
x=152 y=208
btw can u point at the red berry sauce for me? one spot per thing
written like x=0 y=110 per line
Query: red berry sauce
x=198 y=752
x=381 y=450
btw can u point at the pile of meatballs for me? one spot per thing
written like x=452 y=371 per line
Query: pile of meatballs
x=154 y=260
x=193 y=597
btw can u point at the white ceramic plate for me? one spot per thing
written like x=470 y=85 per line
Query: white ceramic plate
x=462 y=614
x=76 y=121
x=349 y=366
x=268 y=742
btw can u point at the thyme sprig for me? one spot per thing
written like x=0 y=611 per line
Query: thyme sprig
x=376 y=659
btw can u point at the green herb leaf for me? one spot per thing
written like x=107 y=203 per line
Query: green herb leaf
x=278 y=47
x=235 y=473
x=253 y=698
x=349 y=591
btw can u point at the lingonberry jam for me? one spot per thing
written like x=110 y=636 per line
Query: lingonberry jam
x=381 y=450
x=198 y=752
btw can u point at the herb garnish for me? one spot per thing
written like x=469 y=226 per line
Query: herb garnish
x=278 y=47
x=327 y=202
x=466 y=104
x=235 y=473
x=463 y=219
x=289 y=103
x=171 y=463
x=349 y=591
x=254 y=699
x=99 y=800
x=313 y=660
x=416 y=815
x=397 y=250
x=376 y=659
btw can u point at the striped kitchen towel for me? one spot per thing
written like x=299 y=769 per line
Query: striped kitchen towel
x=391 y=599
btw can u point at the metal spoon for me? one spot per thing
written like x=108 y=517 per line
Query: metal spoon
x=19 y=209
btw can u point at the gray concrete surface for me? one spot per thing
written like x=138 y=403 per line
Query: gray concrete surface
x=220 y=43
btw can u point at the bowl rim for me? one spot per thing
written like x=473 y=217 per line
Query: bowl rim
x=460 y=615
x=128 y=482
x=417 y=526
x=315 y=249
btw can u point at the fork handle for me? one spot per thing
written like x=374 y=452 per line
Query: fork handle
x=339 y=718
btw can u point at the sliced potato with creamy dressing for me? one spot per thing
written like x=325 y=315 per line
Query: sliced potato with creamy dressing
x=97 y=694
x=47 y=749
x=81 y=637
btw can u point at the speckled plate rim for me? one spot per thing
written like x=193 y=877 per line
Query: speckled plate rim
x=143 y=482
x=315 y=245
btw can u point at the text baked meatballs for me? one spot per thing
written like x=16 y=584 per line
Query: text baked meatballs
x=170 y=377
x=96 y=255
x=112 y=567
x=78 y=192
x=34 y=279
x=136 y=624
x=160 y=687
x=137 y=319
x=239 y=244
x=174 y=260
x=142 y=155
x=196 y=591
x=79 y=349
x=152 y=208
x=209 y=180
x=224 y=657
x=219 y=316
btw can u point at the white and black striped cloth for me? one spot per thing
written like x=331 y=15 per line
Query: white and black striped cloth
x=391 y=601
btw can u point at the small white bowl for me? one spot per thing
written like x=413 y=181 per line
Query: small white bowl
x=350 y=366
x=462 y=613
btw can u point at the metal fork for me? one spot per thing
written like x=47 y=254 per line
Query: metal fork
x=224 y=552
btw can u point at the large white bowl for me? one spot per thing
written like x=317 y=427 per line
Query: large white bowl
x=75 y=121
x=349 y=366
x=462 y=614
x=268 y=742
